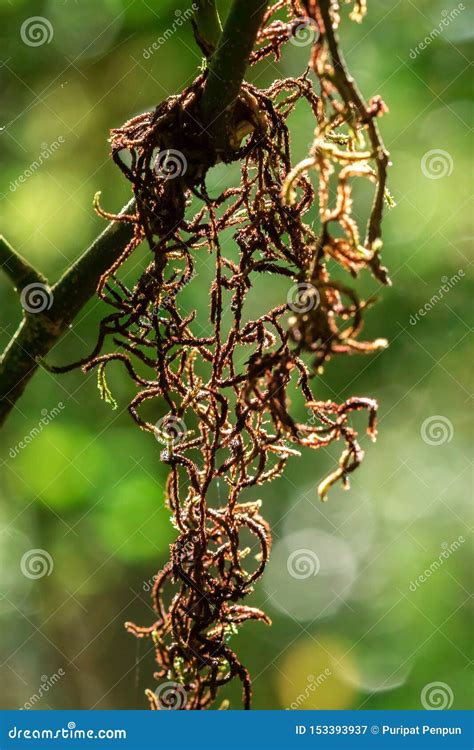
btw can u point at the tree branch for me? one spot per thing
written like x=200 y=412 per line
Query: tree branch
x=228 y=64
x=207 y=26
x=38 y=332
x=17 y=268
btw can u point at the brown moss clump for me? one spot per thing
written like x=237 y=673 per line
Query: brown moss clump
x=233 y=384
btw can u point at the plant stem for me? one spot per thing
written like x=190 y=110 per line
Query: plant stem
x=207 y=26
x=17 y=268
x=228 y=65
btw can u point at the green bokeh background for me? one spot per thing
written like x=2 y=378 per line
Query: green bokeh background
x=89 y=488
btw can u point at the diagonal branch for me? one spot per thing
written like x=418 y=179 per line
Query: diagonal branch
x=39 y=331
x=17 y=268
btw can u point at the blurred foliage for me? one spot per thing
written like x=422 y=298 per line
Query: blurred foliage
x=89 y=487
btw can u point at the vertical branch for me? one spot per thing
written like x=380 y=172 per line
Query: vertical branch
x=207 y=26
x=228 y=65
